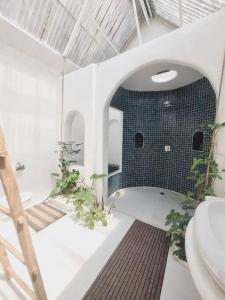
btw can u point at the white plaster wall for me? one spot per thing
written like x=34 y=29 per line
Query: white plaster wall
x=220 y=141
x=78 y=96
x=199 y=45
x=29 y=117
x=74 y=133
x=77 y=136
x=157 y=27
x=115 y=136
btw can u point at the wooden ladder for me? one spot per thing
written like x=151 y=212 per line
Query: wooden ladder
x=16 y=212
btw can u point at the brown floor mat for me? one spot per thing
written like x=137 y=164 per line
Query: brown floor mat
x=136 y=268
x=41 y=215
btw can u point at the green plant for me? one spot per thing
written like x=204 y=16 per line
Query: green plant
x=70 y=184
x=66 y=181
x=86 y=205
x=66 y=184
x=203 y=173
x=69 y=148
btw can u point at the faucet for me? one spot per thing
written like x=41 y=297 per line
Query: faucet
x=20 y=167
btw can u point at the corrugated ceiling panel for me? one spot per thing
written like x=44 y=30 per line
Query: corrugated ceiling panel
x=168 y=9
x=196 y=9
x=115 y=20
x=46 y=20
x=185 y=11
x=53 y=21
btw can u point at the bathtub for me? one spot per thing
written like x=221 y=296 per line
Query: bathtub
x=148 y=204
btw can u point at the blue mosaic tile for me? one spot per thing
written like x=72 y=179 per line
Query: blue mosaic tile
x=164 y=118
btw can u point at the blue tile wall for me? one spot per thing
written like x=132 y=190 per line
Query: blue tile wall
x=162 y=125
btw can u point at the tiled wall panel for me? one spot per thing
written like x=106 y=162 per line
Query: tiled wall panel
x=161 y=125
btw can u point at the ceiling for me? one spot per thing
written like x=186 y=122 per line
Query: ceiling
x=141 y=80
x=91 y=31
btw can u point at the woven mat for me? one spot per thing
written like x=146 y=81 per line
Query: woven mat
x=42 y=215
x=136 y=268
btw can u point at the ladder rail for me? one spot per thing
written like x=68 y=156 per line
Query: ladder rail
x=12 y=249
x=5 y=210
x=17 y=214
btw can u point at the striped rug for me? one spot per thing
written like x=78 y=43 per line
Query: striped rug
x=41 y=215
x=136 y=268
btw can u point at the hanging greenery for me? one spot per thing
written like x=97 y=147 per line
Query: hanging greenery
x=203 y=173
x=70 y=184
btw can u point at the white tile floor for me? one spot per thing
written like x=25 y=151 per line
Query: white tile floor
x=70 y=256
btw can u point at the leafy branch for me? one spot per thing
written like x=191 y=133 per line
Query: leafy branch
x=203 y=173
x=70 y=184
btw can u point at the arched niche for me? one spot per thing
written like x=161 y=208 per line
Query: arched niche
x=74 y=131
x=139 y=140
x=198 y=141
x=115 y=140
x=167 y=117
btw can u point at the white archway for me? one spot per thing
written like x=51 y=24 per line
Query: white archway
x=111 y=93
x=74 y=131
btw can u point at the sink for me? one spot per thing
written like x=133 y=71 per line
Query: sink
x=209 y=223
x=205 y=248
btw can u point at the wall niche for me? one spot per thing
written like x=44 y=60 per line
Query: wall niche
x=198 y=141
x=139 y=140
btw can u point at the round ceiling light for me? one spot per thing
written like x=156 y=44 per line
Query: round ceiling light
x=164 y=76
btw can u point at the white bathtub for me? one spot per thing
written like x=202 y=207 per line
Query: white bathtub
x=148 y=204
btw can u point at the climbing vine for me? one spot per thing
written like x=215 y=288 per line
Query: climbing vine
x=203 y=173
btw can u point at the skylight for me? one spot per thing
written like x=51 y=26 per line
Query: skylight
x=164 y=76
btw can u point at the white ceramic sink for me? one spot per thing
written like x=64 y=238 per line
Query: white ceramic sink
x=205 y=248
x=209 y=224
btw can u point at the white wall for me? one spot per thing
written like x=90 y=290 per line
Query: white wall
x=74 y=133
x=78 y=96
x=115 y=136
x=199 y=45
x=157 y=27
x=29 y=116
x=220 y=140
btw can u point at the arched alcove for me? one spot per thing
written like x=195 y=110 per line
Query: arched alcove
x=74 y=130
x=139 y=140
x=115 y=140
x=158 y=114
x=198 y=141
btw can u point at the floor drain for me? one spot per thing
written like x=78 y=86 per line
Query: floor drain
x=162 y=193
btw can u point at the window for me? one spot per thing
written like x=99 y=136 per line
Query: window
x=139 y=140
x=198 y=138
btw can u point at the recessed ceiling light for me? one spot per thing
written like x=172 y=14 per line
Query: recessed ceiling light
x=164 y=76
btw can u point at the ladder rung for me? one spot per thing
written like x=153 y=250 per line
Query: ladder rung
x=22 y=283
x=5 y=210
x=12 y=249
x=3 y=153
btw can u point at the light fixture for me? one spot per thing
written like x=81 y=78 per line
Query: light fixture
x=167 y=103
x=164 y=76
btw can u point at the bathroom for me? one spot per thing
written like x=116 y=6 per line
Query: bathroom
x=132 y=109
